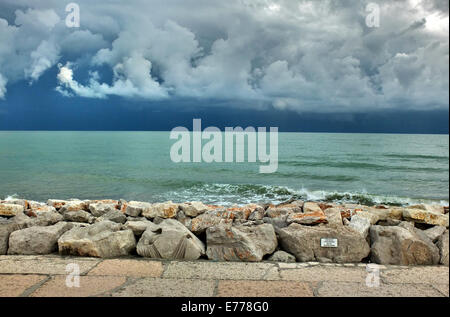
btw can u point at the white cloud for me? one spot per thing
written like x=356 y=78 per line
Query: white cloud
x=131 y=79
x=44 y=57
x=301 y=55
x=3 y=82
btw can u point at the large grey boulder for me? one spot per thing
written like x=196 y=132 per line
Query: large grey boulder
x=37 y=240
x=136 y=208
x=103 y=239
x=360 y=224
x=99 y=209
x=46 y=219
x=277 y=222
x=170 y=240
x=114 y=216
x=443 y=248
x=401 y=245
x=6 y=227
x=22 y=221
x=435 y=232
x=305 y=243
x=209 y=219
x=240 y=243
x=78 y=216
x=185 y=220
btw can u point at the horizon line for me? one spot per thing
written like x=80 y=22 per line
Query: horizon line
x=322 y=132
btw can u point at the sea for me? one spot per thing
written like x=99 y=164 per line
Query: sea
x=394 y=169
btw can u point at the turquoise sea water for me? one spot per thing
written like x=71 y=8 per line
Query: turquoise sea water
x=369 y=168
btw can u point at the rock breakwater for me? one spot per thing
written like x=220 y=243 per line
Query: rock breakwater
x=291 y=231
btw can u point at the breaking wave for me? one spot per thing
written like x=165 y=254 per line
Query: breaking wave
x=229 y=194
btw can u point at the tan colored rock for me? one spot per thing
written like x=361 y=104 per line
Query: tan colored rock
x=6 y=227
x=114 y=216
x=10 y=210
x=164 y=210
x=424 y=216
x=16 y=201
x=347 y=213
x=99 y=209
x=240 y=243
x=443 y=246
x=103 y=239
x=275 y=211
x=138 y=227
x=282 y=256
x=204 y=221
x=371 y=216
x=74 y=205
x=136 y=208
x=401 y=246
x=429 y=207
x=257 y=213
x=334 y=217
x=305 y=243
x=37 y=240
x=243 y=212
x=102 y=201
x=311 y=207
x=193 y=208
x=307 y=218
x=434 y=233
x=79 y=216
x=36 y=209
x=185 y=220
x=57 y=203
x=277 y=222
x=360 y=224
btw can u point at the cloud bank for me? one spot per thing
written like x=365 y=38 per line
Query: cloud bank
x=315 y=56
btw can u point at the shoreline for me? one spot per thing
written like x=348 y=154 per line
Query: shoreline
x=292 y=231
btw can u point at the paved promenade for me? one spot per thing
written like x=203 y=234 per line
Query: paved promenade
x=48 y=276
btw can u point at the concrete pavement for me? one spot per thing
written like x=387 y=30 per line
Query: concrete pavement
x=50 y=275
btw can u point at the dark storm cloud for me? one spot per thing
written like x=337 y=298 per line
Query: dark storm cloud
x=315 y=56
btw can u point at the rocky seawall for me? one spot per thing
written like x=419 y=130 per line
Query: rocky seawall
x=288 y=232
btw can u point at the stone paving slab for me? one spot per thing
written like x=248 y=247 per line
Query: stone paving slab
x=43 y=264
x=47 y=275
x=321 y=273
x=157 y=287
x=220 y=270
x=125 y=267
x=15 y=285
x=352 y=289
x=263 y=289
x=426 y=274
x=89 y=286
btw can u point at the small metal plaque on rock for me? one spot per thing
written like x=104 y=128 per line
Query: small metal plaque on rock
x=329 y=243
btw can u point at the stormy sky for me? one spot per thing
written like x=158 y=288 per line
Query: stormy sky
x=135 y=63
